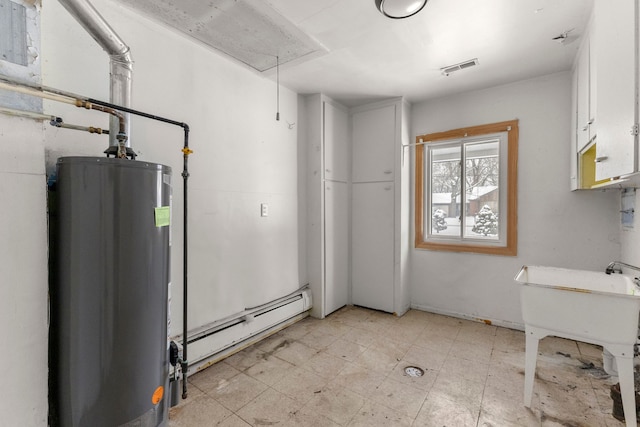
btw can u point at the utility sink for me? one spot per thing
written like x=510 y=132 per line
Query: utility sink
x=582 y=305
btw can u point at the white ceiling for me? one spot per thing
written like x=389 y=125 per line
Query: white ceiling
x=367 y=56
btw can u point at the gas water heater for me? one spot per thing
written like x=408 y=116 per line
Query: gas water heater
x=109 y=293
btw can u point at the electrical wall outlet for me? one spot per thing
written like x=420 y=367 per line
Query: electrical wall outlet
x=264 y=209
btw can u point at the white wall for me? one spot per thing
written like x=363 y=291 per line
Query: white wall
x=242 y=156
x=630 y=238
x=23 y=248
x=23 y=273
x=555 y=226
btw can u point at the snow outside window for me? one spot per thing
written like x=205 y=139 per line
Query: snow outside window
x=465 y=189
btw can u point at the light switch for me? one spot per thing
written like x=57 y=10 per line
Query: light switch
x=264 y=209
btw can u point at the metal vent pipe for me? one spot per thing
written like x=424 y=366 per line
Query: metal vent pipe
x=121 y=64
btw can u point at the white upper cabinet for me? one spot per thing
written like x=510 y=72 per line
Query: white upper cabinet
x=336 y=143
x=374 y=136
x=615 y=55
x=585 y=82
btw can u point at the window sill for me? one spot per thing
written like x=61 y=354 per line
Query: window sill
x=509 y=250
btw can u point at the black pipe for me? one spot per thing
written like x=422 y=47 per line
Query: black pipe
x=184 y=364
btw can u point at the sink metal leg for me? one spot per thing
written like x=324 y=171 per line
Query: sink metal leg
x=531 y=356
x=627 y=386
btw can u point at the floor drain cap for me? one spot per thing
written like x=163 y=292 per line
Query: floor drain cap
x=414 y=371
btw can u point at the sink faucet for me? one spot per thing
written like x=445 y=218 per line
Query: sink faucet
x=615 y=267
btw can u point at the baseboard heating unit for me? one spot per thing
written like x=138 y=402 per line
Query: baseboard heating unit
x=215 y=341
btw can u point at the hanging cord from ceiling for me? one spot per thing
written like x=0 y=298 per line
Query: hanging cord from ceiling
x=277 y=88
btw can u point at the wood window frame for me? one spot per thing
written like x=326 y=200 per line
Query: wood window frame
x=510 y=247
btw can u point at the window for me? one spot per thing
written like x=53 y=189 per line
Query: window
x=466 y=189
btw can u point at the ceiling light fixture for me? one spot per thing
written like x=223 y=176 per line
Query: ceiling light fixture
x=398 y=9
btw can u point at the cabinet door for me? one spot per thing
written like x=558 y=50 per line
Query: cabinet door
x=574 y=130
x=373 y=144
x=336 y=143
x=583 y=99
x=615 y=56
x=336 y=244
x=372 y=245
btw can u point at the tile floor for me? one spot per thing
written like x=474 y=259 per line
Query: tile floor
x=348 y=370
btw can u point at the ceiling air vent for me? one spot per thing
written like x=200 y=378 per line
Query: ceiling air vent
x=457 y=67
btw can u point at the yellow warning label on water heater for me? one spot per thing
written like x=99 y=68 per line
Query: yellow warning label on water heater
x=163 y=216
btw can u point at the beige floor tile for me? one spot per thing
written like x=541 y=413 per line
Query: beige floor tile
x=246 y=358
x=459 y=390
x=237 y=391
x=404 y=333
x=358 y=379
x=325 y=365
x=210 y=378
x=304 y=418
x=270 y=408
x=233 y=421
x=300 y=384
x=297 y=353
x=456 y=366
x=442 y=320
x=430 y=340
x=270 y=370
x=502 y=377
x=318 y=339
x=400 y=397
x=360 y=336
x=435 y=331
x=551 y=345
x=509 y=339
x=564 y=406
x=199 y=411
x=376 y=415
x=301 y=328
x=439 y=411
x=388 y=345
x=339 y=405
x=425 y=358
x=505 y=407
x=353 y=316
x=377 y=322
x=273 y=344
x=477 y=333
x=474 y=352
x=346 y=350
x=377 y=361
x=192 y=392
x=590 y=350
x=348 y=311
x=333 y=327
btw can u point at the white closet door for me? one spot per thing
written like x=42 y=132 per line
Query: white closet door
x=372 y=240
x=373 y=144
x=336 y=143
x=336 y=246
